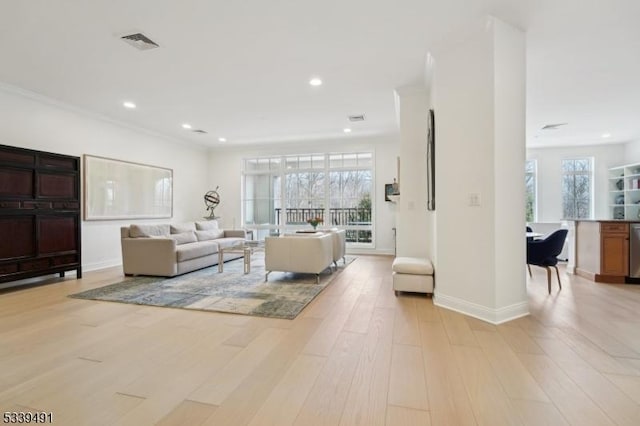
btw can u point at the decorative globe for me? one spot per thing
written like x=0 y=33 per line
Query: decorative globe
x=211 y=200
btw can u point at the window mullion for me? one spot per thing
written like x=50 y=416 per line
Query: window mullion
x=327 y=195
x=283 y=189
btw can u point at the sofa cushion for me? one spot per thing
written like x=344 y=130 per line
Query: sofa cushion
x=180 y=228
x=138 y=231
x=184 y=237
x=196 y=250
x=209 y=235
x=206 y=225
x=228 y=242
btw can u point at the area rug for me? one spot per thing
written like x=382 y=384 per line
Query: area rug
x=283 y=296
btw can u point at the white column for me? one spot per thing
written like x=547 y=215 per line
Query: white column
x=479 y=88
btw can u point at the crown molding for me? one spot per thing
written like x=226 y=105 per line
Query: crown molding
x=37 y=97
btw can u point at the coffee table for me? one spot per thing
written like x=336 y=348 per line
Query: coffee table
x=246 y=248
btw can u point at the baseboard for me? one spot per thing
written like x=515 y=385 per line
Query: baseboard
x=374 y=252
x=101 y=265
x=493 y=316
x=585 y=274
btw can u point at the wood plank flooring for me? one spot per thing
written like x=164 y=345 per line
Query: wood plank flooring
x=357 y=355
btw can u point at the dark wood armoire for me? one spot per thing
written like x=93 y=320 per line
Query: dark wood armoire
x=39 y=213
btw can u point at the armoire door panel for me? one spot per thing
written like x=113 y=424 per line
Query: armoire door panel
x=34 y=265
x=43 y=205
x=9 y=204
x=57 y=234
x=67 y=205
x=53 y=161
x=17 y=157
x=8 y=268
x=18 y=236
x=16 y=183
x=53 y=185
x=64 y=260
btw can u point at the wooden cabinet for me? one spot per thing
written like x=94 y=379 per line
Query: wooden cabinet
x=39 y=213
x=602 y=250
x=614 y=251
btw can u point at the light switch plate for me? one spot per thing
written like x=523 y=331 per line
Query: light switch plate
x=474 y=199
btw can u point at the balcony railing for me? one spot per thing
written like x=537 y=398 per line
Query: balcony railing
x=343 y=217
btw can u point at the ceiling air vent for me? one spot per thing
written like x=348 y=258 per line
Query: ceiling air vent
x=356 y=117
x=555 y=126
x=140 y=41
x=203 y=132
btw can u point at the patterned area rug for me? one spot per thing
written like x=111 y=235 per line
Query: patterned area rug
x=283 y=296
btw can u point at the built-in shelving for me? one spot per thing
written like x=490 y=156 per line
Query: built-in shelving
x=624 y=192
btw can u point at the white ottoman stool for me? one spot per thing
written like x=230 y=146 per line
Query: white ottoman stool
x=412 y=274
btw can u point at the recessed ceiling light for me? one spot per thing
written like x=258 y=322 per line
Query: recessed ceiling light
x=347 y=130
x=222 y=139
x=315 y=81
x=606 y=135
x=186 y=126
x=129 y=105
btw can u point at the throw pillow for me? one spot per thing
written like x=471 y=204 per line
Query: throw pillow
x=182 y=227
x=184 y=237
x=213 y=234
x=145 y=231
x=207 y=225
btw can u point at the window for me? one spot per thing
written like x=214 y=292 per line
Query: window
x=305 y=186
x=530 y=181
x=577 y=186
x=350 y=182
x=261 y=191
x=287 y=191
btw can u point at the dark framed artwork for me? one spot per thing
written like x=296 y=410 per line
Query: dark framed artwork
x=431 y=162
x=388 y=190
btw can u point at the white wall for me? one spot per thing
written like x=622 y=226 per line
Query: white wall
x=225 y=169
x=632 y=152
x=549 y=163
x=479 y=110
x=32 y=121
x=414 y=224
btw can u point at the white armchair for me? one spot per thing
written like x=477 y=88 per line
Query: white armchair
x=305 y=254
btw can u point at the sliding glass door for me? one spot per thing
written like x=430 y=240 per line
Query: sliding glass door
x=285 y=192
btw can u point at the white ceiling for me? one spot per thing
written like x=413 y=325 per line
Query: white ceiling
x=241 y=69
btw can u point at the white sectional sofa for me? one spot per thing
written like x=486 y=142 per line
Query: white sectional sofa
x=168 y=250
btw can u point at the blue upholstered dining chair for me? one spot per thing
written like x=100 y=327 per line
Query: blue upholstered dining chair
x=544 y=253
x=529 y=229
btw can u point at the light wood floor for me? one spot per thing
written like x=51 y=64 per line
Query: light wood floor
x=357 y=355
